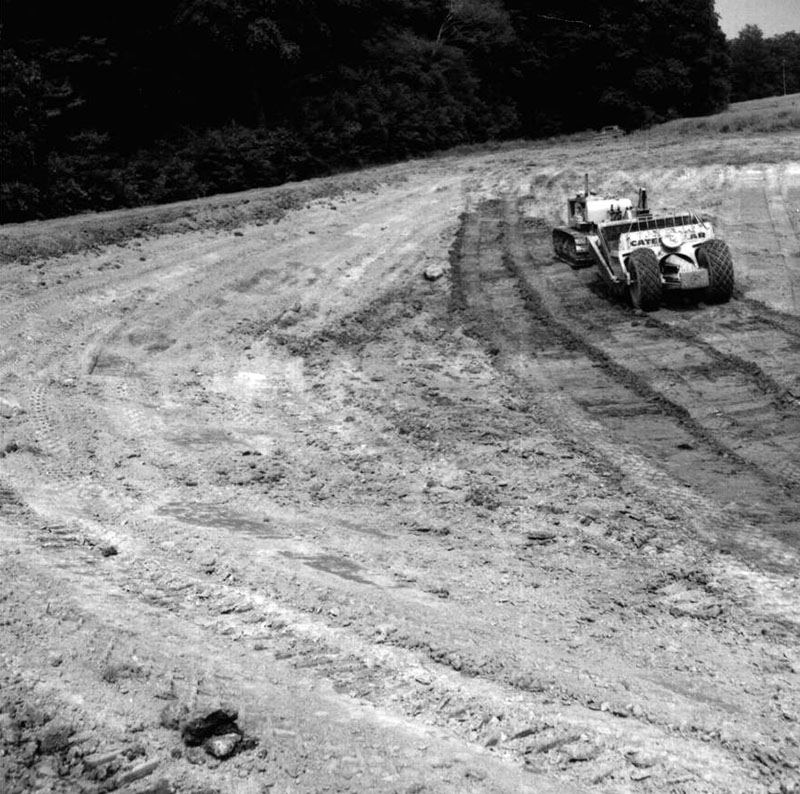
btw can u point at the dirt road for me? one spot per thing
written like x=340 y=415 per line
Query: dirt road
x=488 y=532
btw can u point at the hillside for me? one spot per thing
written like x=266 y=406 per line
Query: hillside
x=428 y=509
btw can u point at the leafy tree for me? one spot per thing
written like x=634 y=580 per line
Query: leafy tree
x=22 y=121
x=249 y=40
x=120 y=105
x=764 y=66
x=753 y=65
x=785 y=50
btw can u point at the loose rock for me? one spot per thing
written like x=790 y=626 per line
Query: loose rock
x=581 y=751
x=173 y=715
x=642 y=760
x=54 y=738
x=137 y=773
x=222 y=746
x=541 y=536
x=206 y=723
x=162 y=786
x=433 y=272
x=8 y=446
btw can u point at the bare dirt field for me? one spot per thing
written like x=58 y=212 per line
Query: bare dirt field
x=487 y=532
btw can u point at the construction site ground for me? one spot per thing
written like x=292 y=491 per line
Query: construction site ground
x=430 y=510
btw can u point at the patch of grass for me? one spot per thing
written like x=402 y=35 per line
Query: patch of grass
x=112 y=673
x=776 y=114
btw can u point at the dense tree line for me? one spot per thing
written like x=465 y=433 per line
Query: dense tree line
x=764 y=67
x=126 y=104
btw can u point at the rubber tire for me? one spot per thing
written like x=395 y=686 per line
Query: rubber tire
x=715 y=256
x=645 y=289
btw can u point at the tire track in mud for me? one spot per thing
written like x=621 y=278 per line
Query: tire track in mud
x=762 y=369
x=172 y=454
x=129 y=407
x=783 y=224
x=68 y=413
x=48 y=436
x=67 y=476
x=65 y=297
x=727 y=401
x=614 y=410
x=764 y=228
x=122 y=284
x=396 y=680
x=754 y=336
x=11 y=502
x=243 y=632
x=349 y=671
x=346 y=659
x=109 y=393
x=24 y=522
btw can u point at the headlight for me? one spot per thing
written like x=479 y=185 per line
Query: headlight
x=671 y=240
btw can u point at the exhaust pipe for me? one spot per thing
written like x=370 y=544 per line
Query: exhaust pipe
x=642 y=209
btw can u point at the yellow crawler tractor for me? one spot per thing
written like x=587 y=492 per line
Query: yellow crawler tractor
x=642 y=253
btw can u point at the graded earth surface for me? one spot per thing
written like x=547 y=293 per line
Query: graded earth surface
x=423 y=508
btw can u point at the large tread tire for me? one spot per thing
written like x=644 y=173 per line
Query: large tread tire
x=582 y=262
x=715 y=256
x=571 y=252
x=565 y=249
x=645 y=287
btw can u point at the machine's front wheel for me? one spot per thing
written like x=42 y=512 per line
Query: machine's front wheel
x=645 y=286
x=715 y=256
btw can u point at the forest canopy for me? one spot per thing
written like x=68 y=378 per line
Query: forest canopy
x=120 y=105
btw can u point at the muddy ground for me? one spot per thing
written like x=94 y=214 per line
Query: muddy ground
x=491 y=531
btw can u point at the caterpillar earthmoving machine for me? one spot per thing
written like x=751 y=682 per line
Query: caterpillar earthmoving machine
x=644 y=254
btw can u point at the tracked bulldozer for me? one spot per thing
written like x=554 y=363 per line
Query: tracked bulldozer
x=643 y=254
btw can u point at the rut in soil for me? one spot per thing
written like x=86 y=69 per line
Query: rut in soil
x=706 y=419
